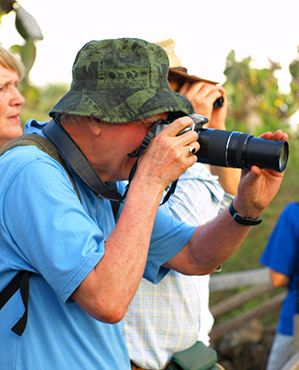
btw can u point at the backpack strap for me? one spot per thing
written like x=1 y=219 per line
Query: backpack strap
x=21 y=280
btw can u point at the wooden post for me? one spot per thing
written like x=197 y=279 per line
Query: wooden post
x=296 y=334
x=293 y=363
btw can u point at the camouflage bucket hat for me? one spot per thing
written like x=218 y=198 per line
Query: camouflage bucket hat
x=119 y=81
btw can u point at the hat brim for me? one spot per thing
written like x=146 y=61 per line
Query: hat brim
x=122 y=106
x=185 y=76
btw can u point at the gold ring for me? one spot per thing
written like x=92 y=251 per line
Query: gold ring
x=192 y=150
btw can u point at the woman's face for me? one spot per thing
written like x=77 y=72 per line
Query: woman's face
x=11 y=101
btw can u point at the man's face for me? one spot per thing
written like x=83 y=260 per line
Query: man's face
x=10 y=104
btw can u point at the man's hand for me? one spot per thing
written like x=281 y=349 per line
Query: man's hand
x=168 y=155
x=258 y=186
x=202 y=96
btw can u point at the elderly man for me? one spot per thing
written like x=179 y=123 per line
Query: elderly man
x=85 y=266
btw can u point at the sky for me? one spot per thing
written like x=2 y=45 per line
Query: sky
x=204 y=32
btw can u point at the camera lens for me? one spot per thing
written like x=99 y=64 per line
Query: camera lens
x=218 y=102
x=283 y=158
x=238 y=150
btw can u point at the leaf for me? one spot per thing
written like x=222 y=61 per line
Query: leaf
x=26 y=25
x=28 y=54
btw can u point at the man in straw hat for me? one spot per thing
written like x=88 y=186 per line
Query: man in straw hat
x=85 y=264
x=174 y=315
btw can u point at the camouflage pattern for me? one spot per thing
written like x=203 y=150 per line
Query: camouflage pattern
x=119 y=81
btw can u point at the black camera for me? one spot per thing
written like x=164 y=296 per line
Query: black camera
x=238 y=150
x=218 y=103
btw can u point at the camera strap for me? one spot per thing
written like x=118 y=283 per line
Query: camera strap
x=145 y=143
x=77 y=161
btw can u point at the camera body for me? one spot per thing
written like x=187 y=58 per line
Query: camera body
x=235 y=149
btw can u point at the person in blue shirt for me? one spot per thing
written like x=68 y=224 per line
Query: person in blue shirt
x=86 y=264
x=281 y=255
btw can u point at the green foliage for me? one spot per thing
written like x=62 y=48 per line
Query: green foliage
x=27 y=53
x=40 y=100
x=256 y=105
x=28 y=28
x=5 y=6
x=255 y=102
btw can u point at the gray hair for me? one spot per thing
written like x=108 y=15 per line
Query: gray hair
x=10 y=61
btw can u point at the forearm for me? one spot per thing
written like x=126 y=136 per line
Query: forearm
x=215 y=242
x=109 y=288
x=207 y=249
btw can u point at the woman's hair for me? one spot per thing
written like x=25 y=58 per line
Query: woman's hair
x=10 y=61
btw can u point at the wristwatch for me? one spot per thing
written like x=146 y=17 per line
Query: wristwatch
x=247 y=221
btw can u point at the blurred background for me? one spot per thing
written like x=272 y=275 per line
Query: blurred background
x=250 y=48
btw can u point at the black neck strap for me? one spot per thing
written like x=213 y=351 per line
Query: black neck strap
x=76 y=160
x=144 y=145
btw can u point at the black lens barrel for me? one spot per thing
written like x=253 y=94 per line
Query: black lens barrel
x=238 y=150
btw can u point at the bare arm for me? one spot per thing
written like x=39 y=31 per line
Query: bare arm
x=107 y=291
x=215 y=242
x=278 y=279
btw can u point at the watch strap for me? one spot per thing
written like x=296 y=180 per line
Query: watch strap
x=247 y=221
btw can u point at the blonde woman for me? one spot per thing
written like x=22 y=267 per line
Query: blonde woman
x=11 y=73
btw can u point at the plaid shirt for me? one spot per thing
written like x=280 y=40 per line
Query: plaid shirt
x=172 y=315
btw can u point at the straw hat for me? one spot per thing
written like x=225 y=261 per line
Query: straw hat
x=176 y=70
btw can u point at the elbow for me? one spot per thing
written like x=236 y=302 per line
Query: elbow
x=109 y=312
x=104 y=310
x=278 y=279
x=115 y=316
x=278 y=284
x=110 y=318
x=275 y=284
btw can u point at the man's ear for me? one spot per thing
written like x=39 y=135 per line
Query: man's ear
x=94 y=126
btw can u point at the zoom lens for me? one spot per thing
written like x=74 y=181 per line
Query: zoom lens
x=238 y=150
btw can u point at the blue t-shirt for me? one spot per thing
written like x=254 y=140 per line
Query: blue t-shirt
x=282 y=255
x=44 y=228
